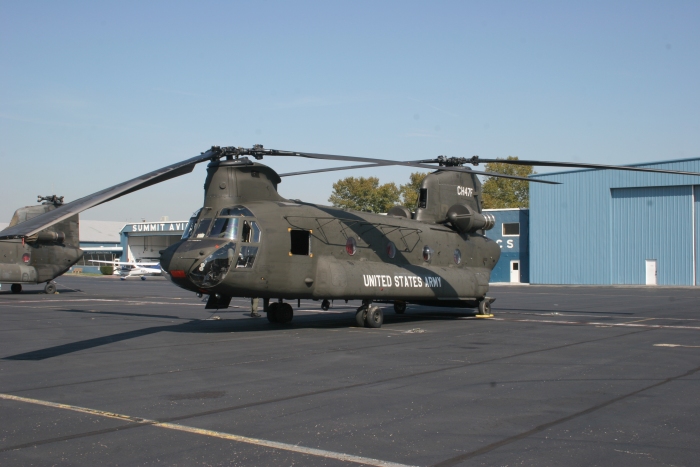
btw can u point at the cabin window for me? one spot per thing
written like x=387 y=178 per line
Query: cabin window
x=225 y=227
x=511 y=229
x=301 y=241
x=423 y=198
x=251 y=232
x=246 y=257
x=236 y=211
x=202 y=228
x=351 y=246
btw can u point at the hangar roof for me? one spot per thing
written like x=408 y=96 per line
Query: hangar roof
x=95 y=231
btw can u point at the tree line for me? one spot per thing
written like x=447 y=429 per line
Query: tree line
x=366 y=194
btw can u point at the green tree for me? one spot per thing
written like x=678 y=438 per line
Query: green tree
x=364 y=194
x=409 y=192
x=500 y=193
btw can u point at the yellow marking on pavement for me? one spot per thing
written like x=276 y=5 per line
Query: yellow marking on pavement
x=214 y=434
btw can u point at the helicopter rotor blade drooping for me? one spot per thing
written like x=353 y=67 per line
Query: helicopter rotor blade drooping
x=32 y=226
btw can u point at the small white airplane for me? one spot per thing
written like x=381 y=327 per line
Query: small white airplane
x=132 y=269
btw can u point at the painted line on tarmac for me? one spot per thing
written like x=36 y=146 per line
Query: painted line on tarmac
x=212 y=434
x=130 y=302
x=678 y=345
x=594 y=323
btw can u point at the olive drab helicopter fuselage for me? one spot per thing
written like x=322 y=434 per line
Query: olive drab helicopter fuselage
x=247 y=240
x=41 y=257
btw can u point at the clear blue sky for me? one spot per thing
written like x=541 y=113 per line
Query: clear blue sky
x=94 y=93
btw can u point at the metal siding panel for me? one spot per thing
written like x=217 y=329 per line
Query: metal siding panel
x=652 y=223
x=696 y=232
x=570 y=228
x=520 y=246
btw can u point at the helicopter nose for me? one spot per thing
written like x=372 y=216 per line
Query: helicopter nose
x=166 y=257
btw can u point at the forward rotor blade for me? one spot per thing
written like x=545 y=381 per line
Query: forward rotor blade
x=274 y=152
x=584 y=166
x=38 y=223
x=333 y=169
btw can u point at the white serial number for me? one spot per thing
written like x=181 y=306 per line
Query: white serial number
x=465 y=191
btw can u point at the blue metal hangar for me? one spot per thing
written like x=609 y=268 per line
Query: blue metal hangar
x=614 y=227
x=511 y=233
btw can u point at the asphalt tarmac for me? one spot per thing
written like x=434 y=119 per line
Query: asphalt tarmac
x=134 y=372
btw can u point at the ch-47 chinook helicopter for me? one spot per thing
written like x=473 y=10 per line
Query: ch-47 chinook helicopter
x=247 y=240
x=43 y=255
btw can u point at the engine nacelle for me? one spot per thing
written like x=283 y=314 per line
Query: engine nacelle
x=465 y=219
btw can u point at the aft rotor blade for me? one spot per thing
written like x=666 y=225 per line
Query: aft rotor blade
x=274 y=152
x=582 y=166
x=38 y=223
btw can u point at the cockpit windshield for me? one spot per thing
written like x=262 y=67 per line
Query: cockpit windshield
x=225 y=227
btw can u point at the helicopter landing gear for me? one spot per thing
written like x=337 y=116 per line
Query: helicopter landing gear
x=50 y=288
x=325 y=305
x=369 y=316
x=280 y=313
x=399 y=307
x=16 y=288
x=484 y=309
x=374 y=318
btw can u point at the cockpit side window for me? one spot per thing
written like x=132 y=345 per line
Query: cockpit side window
x=225 y=227
x=189 y=229
x=236 y=211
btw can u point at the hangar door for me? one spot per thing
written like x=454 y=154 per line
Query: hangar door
x=653 y=224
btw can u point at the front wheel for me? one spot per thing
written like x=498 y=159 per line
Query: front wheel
x=399 y=307
x=143 y=278
x=50 y=288
x=272 y=312
x=16 y=288
x=325 y=305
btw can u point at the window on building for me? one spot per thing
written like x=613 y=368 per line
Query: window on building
x=511 y=229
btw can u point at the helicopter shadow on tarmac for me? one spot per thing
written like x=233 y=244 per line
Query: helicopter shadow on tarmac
x=224 y=326
x=5 y=291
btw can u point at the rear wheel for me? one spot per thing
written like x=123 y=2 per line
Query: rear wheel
x=143 y=278
x=399 y=307
x=374 y=318
x=325 y=305
x=16 y=288
x=485 y=307
x=50 y=288
x=361 y=315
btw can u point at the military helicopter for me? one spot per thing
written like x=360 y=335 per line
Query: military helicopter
x=247 y=240
x=44 y=255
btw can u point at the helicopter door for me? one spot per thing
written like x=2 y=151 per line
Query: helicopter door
x=515 y=271
x=651 y=271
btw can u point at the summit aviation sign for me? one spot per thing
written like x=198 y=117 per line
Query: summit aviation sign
x=175 y=227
